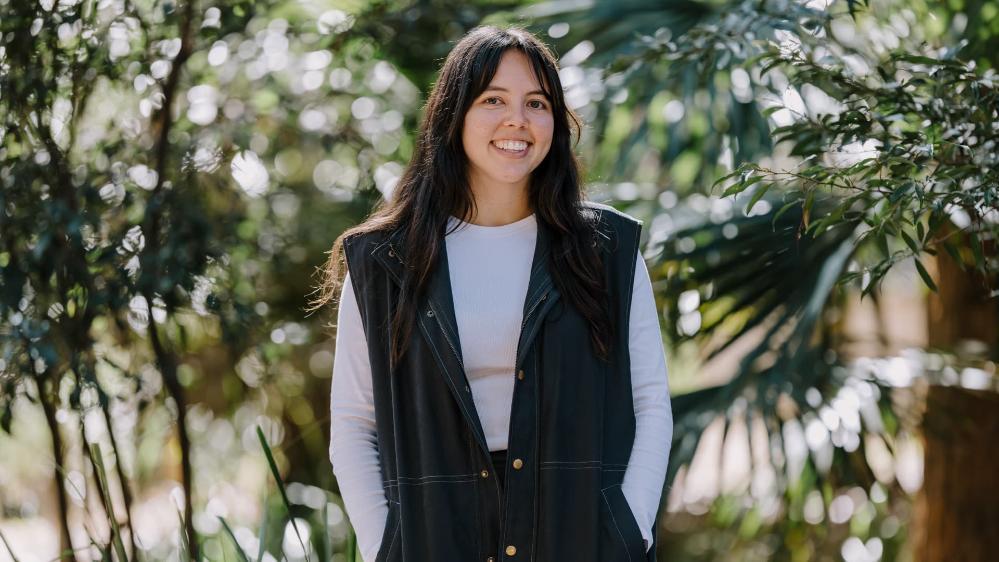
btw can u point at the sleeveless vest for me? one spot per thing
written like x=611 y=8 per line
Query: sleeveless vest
x=572 y=423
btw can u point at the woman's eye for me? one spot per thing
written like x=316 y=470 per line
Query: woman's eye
x=536 y=104
x=489 y=101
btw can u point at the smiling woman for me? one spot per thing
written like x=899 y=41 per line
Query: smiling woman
x=507 y=133
x=499 y=384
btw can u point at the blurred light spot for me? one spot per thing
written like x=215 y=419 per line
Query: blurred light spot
x=668 y=199
x=312 y=80
x=391 y=120
x=558 y=30
x=143 y=176
x=334 y=21
x=321 y=363
x=570 y=76
x=76 y=487
x=689 y=323
x=218 y=54
x=975 y=379
x=814 y=508
x=206 y=159
x=339 y=78
x=118 y=44
x=688 y=301
x=250 y=173
x=673 y=111
x=112 y=194
x=362 y=107
x=577 y=54
x=816 y=434
x=250 y=369
x=212 y=18
x=204 y=104
x=233 y=108
x=626 y=191
x=133 y=241
x=855 y=550
x=686 y=245
x=170 y=48
x=291 y=545
x=381 y=77
x=386 y=177
x=160 y=68
x=288 y=161
x=311 y=119
x=325 y=174
x=742 y=88
x=141 y=82
x=890 y=526
x=840 y=509
x=317 y=60
x=286 y=205
x=277 y=335
x=813 y=397
x=909 y=464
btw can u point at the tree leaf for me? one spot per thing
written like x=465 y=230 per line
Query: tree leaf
x=925 y=275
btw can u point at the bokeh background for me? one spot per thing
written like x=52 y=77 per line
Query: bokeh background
x=818 y=181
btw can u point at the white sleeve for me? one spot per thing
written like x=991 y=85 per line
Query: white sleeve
x=353 y=443
x=646 y=472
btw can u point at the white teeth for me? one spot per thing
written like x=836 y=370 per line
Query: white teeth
x=511 y=145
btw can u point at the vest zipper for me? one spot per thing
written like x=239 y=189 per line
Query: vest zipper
x=531 y=310
x=447 y=338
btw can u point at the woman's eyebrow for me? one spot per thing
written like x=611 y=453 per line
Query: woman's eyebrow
x=502 y=89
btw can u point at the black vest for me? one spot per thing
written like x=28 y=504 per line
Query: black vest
x=572 y=422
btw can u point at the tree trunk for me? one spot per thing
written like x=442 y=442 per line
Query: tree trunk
x=956 y=513
x=48 y=406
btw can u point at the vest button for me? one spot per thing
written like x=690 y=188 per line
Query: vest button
x=491 y=559
x=518 y=464
x=520 y=374
x=484 y=474
x=511 y=550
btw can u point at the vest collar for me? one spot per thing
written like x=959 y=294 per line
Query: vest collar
x=436 y=317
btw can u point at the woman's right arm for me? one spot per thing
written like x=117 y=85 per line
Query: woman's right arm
x=353 y=443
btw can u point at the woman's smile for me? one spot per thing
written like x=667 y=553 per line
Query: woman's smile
x=512 y=148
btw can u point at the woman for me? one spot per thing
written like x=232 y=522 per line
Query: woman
x=499 y=384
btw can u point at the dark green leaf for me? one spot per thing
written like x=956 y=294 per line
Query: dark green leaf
x=925 y=275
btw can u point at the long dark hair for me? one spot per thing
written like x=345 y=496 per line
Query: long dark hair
x=435 y=185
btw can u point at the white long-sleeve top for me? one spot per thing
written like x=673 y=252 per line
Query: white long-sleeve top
x=489 y=271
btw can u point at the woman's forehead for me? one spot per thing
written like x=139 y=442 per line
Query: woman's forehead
x=516 y=73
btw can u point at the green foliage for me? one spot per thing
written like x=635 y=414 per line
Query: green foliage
x=907 y=151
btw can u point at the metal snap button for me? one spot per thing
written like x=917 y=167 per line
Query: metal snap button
x=484 y=473
x=518 y=464
x=520 y=374
x=511 y=550
x=430 y=313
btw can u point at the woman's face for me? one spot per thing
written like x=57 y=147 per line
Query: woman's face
x=508 y=128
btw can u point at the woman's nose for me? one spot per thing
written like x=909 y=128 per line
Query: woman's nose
x=516 y=117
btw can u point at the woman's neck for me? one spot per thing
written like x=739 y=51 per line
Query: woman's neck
x=497 y=208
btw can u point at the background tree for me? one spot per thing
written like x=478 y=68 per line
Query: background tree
x=172 y=174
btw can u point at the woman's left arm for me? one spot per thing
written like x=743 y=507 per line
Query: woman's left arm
x=646 y=472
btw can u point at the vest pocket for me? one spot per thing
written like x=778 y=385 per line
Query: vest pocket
x=620 y=523
x=391 y=533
